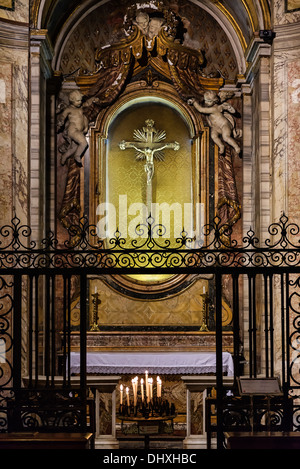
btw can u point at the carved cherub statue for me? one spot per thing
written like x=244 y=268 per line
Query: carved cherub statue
x=75 y=125
x=154 y=27
x=142 y=21
x=220 y=119
x=150 y=27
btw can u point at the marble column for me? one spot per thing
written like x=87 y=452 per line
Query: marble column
x=40 y=70
x=286 y=123
x=258 y=136
x=196 y=392
x=104 y=388
x=257 y=162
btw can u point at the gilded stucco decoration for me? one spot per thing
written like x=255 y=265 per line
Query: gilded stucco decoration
x=164 y=51
x=154 y=38
x=199 y=31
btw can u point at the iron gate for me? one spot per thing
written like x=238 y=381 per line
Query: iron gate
x=36 y=281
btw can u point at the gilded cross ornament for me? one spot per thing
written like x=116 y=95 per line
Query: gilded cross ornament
x=149 y=144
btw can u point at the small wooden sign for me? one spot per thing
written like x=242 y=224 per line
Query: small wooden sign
x=148 y=429
x=259 y=386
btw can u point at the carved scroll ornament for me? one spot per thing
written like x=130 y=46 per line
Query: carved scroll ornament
x=115 y=65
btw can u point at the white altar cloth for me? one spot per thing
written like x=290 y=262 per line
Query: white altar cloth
x=155 y=362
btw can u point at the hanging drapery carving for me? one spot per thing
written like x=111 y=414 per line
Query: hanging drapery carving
x=69 y=214
x=162 y=51
x=229 y=208
x=111 y=81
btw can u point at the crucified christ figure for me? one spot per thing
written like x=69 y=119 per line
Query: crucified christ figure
x=149 y=145
x=148 y=154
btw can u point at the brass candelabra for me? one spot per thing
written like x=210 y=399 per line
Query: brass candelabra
x=96 y=301
x=205 y=303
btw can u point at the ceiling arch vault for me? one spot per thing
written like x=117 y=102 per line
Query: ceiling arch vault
x=234 y=24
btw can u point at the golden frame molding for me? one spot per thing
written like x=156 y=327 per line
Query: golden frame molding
x=141 y=92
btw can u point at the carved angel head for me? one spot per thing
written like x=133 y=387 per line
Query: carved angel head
x=75 y=98
x=154 y=27
x=210 y=97
x=142 y=21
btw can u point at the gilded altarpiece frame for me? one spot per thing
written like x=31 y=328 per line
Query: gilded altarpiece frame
x=163 y=301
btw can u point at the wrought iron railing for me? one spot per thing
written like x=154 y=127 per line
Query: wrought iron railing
x=35 y=296
x=213 y=247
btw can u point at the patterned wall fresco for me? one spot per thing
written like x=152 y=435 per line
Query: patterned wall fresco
x=202 y=32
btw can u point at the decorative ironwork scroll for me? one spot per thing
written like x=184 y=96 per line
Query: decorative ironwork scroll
x=150 y=248
x=24 y=261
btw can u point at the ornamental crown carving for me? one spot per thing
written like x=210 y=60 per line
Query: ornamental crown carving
x=150 y=17
x=154 y=37
x=150 y=29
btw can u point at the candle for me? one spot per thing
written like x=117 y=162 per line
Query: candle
x=142 y=389
x=158 y=386
x=132 y=382
x=134 y=387
x=127 y=393
x=150 y=380
x=95 y=289
x=121 y=394
x=146 y=382
x=203 y=289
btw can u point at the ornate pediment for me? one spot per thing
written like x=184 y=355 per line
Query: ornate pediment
x=153 y=36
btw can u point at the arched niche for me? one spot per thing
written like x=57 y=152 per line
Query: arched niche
x=179 y=181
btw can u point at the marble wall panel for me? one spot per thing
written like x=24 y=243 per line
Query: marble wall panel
x=7 y=4
x=293 y=137
x=183 y=309
x=6 y=111
x=279 y=176
x=17 y=10
x=286 y=119
x=14 y=133
x=285 y=12
x=196 y=413
x=105 y=413
x=162 y=341
x=14 y=116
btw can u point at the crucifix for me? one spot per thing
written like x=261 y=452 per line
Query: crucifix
x=149 y=144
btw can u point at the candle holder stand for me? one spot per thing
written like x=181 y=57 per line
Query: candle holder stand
x=205 y=303
x=150 y=417
x=156 y=407
x=96 y=301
